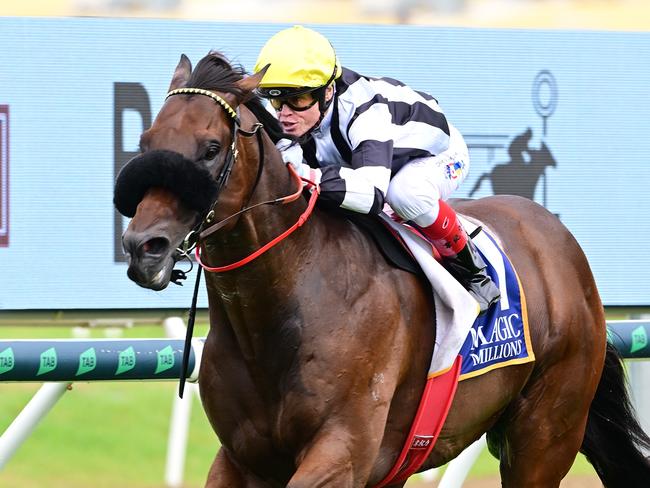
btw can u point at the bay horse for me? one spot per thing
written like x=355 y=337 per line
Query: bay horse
x=318 y=350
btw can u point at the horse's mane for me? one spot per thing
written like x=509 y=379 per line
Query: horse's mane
x=215 y=72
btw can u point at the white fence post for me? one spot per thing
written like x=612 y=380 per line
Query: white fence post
x=180 y=418
x=459 y=468
x=23 y=425
x=177 y=441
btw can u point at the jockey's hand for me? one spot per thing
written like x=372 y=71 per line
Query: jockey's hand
x=292 y=154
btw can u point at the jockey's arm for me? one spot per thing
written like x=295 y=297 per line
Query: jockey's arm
x=361 y=187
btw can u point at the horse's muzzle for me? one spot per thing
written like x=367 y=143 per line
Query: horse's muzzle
x=150 y=259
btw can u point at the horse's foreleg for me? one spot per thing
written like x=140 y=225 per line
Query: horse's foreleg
x=225 y=474
x=331 y=460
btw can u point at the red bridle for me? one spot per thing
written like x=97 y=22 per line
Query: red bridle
x=282 y=200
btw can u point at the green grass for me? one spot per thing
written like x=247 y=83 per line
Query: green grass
x=115 y=434
x=487 y=465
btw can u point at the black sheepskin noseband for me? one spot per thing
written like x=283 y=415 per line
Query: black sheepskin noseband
x=191 y=183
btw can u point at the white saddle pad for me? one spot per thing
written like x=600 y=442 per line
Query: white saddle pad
x=456 y=309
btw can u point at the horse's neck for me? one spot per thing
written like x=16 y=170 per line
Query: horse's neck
x=262 y=297
x=258 y=294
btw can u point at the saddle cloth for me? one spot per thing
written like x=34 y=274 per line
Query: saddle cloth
x=498 y=338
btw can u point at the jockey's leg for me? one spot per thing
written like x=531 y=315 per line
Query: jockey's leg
x=417 y=193
x=460 y=256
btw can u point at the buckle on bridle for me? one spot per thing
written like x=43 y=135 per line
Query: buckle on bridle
x=189 y=243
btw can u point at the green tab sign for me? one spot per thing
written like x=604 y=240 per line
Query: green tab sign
x=126 y=361
x=165 y=360
x=87 y=361
x=7 y=360
x=48 y=361
x=639 y=339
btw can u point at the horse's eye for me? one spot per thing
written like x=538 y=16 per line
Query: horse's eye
x=212 y=151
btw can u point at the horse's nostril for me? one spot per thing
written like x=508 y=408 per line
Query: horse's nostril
x=140 y=245
x=156 y=246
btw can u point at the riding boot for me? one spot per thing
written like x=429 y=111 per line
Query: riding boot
x=468 y=267
x=460 y=256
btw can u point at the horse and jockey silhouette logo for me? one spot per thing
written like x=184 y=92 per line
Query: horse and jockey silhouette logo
x=4 y=175
x=521 y=174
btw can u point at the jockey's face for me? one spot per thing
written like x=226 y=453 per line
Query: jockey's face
x=298 y=123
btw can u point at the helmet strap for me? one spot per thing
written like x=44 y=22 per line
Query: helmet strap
x=323 y=104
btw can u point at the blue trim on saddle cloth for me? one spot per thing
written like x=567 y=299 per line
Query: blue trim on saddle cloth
x=501 y=336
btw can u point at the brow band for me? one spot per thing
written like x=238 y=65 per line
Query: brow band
x=207 y=93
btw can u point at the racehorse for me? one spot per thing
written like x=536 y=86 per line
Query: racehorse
x=318 y=349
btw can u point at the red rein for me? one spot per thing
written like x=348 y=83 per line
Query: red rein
x=284 y=200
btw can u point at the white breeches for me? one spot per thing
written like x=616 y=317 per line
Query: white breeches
x=414 y=192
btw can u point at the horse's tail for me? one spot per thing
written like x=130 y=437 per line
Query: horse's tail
x=614 y=441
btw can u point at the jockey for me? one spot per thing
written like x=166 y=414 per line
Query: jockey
x=368 y=141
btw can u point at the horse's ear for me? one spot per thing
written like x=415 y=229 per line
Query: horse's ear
x=181 y=74
x=249 y=83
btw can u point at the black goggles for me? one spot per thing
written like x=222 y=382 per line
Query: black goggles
x=298 y=99
x=298 y=103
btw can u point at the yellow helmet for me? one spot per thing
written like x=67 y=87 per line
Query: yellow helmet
x=300 y=60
